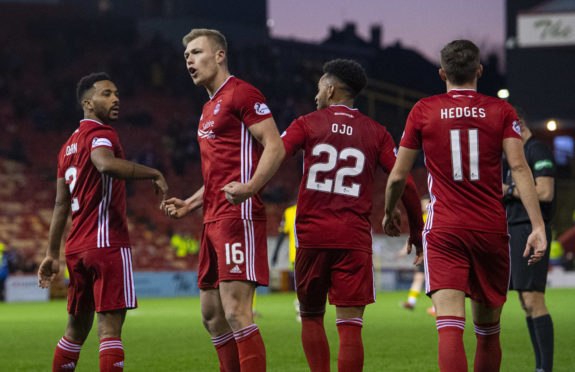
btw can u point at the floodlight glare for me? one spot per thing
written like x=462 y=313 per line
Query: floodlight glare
x=551 y=125
x=503 y=93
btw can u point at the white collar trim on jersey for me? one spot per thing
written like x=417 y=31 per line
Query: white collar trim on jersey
x=349 y=108
x=459 y=90
x=94 y=121
x=221 y=86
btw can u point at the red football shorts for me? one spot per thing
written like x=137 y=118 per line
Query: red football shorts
x=233 y=249
x=474 y=262
x=101 y=279
x=345 y=275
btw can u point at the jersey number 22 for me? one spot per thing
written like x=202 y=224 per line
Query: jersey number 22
x=328 y=185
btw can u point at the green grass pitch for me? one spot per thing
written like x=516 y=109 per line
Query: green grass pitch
x=167 y=335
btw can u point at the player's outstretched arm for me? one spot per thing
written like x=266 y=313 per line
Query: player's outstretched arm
x=105 y=162
x=178 y=208
x=523 y=178
x=50 y=265
x=267 y=134
x=394 y=190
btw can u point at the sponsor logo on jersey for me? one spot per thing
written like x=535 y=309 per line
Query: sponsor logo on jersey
x=71 y=149
x=516 y=127
x=236 y=270
x=205 y=130
x=261 y=109
x=208 y=134
x=207 y=125
x=542 y=164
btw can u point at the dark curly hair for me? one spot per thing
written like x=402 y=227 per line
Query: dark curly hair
x=349 y=72
x=87 y=82
x=460 y=60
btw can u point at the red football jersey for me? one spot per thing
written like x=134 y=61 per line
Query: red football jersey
x=229 y=151
x=461 y=133
x=98 y=200
x=342 y=148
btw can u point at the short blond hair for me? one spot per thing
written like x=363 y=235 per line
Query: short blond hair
x=217 y=38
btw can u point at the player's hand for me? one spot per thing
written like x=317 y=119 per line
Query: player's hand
x=536 y=246
x=161 y=186
x=237 y=193
x=174 y=208
x=411 y=242
x=404 y=251
x=392 y=222
x=47 y=271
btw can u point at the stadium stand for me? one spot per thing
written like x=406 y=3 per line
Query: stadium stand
x=160 y=110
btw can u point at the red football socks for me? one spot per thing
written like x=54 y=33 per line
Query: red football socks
x=66 y=356
x=350 y=357
x=227 y=352
x=451 y=353
x=315 y=343
x=111 y=355
x=488 y=350
x=251 y=349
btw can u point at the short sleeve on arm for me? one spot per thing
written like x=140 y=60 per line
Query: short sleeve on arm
x=542 y=161
x=251 y=105
x=411 y=137
x=102 y=137
x=294 y=136
x=511 y=127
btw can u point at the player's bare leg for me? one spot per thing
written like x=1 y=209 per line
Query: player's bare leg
x=214 y=320
x=110 y=323
x=110 y=334
x=68 y=349
x=414 y=290
x=533 y=303
x=213 y=316
x=237 y=303
x=79 y=327
x=540 y=327
x=450 y=309
x=487 y=330
x=349 y=324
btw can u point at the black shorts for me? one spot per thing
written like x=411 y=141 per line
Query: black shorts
x=523 y=277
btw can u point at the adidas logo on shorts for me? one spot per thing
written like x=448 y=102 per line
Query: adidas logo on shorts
x=119 y=364
x=70 y=365
x=236 y=270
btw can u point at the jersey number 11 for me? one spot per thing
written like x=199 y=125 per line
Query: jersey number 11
x=456 y=161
